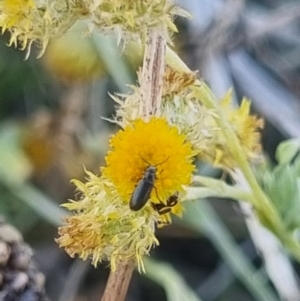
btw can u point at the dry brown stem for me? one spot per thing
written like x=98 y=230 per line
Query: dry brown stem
x=118 y=282
x=152 y=74
x=151 y=82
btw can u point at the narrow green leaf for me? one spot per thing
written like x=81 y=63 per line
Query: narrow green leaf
x=174 y=284
x=43 y=205
x=203 y=219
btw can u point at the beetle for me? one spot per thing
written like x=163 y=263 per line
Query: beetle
x=143 y=189
x=162 y=208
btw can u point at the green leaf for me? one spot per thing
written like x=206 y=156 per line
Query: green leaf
x=42 y=204
x=297 y=166
x=282 y=186
x=201 y=217
x=174 y=284
x=292 y=215
x=287 y=150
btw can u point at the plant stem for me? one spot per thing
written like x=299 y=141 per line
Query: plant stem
x=152 y=75
x=216 y=188
x=151 y=82
x=262 y=204
x=118 y=282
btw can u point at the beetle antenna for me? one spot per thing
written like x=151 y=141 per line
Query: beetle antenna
x=146 y=161
x=162 y=161
x=155 y=164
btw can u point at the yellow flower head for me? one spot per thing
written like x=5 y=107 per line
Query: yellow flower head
x=214 y=147
x=131 y=19
x=14 y=10
x=246 y=126
x=17 y=6
x=200 y=125
x=39 y=21
x=103 y=228
x=143 y=144
x=31 y=21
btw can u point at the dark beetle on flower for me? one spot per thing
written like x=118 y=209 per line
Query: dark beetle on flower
x=143 y=190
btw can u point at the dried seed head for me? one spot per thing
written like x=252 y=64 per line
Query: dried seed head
x=19 y=278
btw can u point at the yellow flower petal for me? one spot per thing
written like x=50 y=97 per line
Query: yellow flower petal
x=144 y=144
